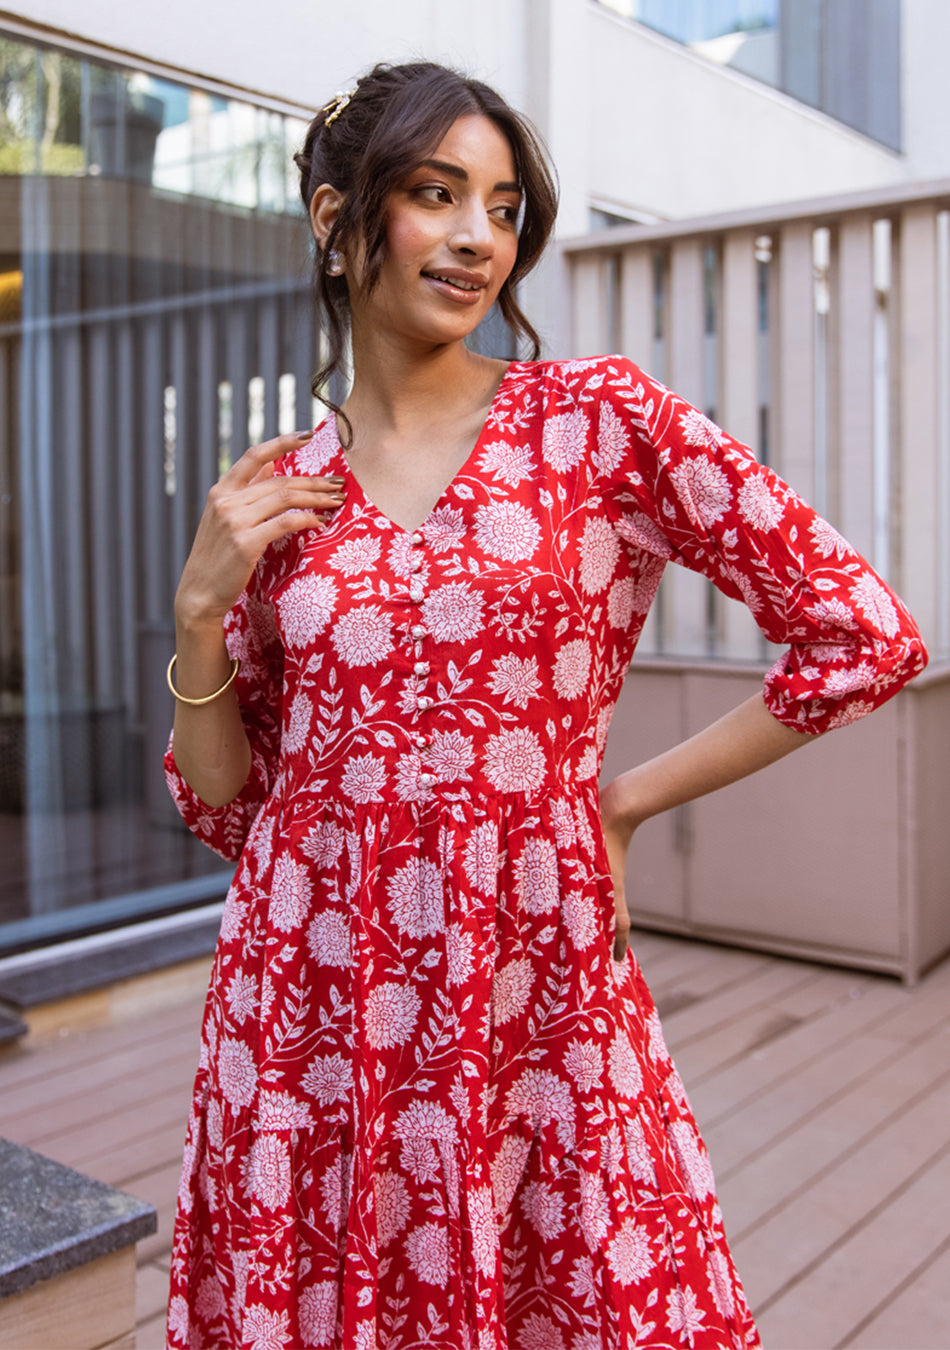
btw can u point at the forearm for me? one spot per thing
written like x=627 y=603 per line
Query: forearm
x=211 y=747
x=744 y=740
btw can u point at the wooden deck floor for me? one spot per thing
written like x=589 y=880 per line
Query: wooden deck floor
x=824 y=1097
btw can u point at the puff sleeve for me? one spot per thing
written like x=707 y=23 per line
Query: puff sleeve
x=251 y=634
x=683 y=490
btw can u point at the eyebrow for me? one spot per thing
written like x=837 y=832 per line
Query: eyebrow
x=455 y=171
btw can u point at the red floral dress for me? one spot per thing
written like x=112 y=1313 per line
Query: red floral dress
x=431 y=1109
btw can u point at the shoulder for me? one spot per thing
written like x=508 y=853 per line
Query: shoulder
x=584 y=380
x=315 y=456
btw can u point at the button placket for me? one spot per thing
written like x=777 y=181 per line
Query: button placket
x=421 y=669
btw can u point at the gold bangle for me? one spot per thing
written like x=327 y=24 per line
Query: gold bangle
x=208 y=698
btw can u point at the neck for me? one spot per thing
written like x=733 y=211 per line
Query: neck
x=394 y=388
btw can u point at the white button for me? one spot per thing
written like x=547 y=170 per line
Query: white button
x=421 y=667
x=415 y=565
x=427 y=780
x=417 y=537
x=415 y=594
x=424 y=703
x=422 y=742
x=418 y=632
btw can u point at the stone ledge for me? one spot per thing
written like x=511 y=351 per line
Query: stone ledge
x=53 y=1219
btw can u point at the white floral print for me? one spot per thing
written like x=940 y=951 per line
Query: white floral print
x=391 y=1013
x=507 y=530
x=305 y=608
x=703 y=489
x=572 y=668
x=515 y=679
x=563 y=439
x=453 y=613
x=599 y=553
x=363 y=637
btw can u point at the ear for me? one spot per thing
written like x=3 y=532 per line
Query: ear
x=324 y=208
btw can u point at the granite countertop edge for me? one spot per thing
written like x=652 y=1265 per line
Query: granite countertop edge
x=54 y=1219
x=59 y=1257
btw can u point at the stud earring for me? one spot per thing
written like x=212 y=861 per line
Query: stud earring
x=334 y=263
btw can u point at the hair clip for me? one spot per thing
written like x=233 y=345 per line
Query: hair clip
x=335 y=106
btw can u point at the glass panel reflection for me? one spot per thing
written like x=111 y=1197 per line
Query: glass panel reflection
x=153 y=302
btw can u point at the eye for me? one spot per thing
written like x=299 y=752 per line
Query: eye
x=507 y=213
x=433 y=192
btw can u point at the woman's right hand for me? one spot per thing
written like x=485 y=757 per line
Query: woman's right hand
x=247 y=509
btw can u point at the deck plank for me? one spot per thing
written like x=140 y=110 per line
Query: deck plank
x=762 y=1182
x=729 y=1088
x=923 y=1303
x=804 y=1232
x=740 y=1136
x=68 y=1102
x=33 y=1061
x=867 y=1268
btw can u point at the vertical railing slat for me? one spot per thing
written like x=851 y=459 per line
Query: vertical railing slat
x=204 y=379
x=795 y=360
x=268 y=364
x=685 y=594
x=918 y=413
x=636 y=305
x=738 y=410
x=855 y=388
x=105 y=620
x=636 y=341
x=590 y=318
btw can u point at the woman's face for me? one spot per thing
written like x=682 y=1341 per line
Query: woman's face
x=452 y=240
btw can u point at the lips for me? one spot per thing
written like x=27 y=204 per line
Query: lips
x=463 y=281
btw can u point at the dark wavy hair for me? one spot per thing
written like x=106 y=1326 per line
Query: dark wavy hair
x=394 y=120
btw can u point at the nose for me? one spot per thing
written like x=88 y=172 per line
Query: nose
x=472 y=230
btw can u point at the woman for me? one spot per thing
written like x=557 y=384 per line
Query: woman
x=434 y=1108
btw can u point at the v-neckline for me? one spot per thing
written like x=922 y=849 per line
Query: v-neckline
x=460 y=472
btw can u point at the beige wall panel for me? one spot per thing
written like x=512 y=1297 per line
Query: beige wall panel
x=918 y=414
x=795 y=363
x=648 y=721
x=807 y=849
x=929 y=714
x=855 y=393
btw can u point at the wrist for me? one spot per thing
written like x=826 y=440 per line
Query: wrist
x=194 y=620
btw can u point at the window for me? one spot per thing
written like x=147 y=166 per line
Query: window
x=154 y=319
x=841 y=56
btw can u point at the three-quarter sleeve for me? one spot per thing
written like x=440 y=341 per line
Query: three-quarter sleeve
x=682 y=489
x=251 y=634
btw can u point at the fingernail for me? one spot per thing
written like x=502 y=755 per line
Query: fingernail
x=303 y=435
x=337 y=482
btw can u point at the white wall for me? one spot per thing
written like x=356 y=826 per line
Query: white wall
x=300 y=50
x=674 y=135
